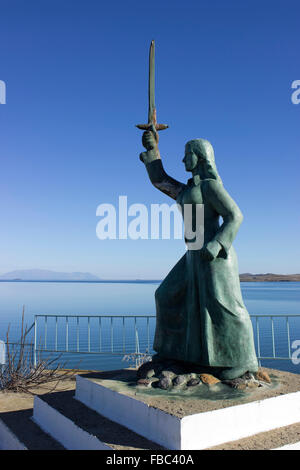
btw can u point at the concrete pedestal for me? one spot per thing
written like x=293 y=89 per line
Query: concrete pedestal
x=192 y=431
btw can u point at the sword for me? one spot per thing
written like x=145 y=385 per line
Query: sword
x=152 y=122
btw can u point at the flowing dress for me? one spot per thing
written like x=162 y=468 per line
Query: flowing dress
x=201 y=316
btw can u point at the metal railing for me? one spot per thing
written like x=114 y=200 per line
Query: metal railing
x=101 y=334
x=133 y=334
x=285 y=325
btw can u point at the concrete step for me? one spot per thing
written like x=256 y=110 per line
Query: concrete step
x=19 y=432
x=77 y=427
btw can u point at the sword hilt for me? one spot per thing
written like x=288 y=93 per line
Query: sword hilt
x=152 y=123
x=152 y=127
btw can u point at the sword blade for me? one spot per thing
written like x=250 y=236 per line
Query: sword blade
x=151 y=84
x=151 y=95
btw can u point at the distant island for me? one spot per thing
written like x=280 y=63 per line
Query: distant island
x=40 y=275
x=45 y=275
x=269 y=277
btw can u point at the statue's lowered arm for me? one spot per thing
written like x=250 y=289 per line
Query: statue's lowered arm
x=225 y=206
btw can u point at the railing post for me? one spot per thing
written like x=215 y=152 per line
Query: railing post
x=258 y=340
x=89 y=335
x=34 y=344
x=288 y=336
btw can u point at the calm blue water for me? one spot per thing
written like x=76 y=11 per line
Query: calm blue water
x=64 y=298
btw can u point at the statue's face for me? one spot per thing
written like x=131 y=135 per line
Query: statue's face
x=190 y=159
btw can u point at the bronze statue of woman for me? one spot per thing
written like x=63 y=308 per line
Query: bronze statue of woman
x=201 y=316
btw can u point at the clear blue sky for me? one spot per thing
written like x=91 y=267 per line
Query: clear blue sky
x=76 y=77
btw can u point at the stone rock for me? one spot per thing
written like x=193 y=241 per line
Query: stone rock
x=209 y=379
x=193 y=382
x=263 y=376
x=164 y=383
x=180 y=380
x=193 y=375
x=144 y=369
x=236 y=383
x=243 y=383
x=168 y=374
x=241 y=386
x=248 y=376
x=252 y=384
x=153 y=381
x=144 y=382
x=149 y=369
x=150 y=373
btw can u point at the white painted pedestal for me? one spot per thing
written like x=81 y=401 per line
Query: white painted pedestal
x=192 y=432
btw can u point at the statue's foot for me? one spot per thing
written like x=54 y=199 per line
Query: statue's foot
x=231 y=373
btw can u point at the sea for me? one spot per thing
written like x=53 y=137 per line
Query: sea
x=103 y=344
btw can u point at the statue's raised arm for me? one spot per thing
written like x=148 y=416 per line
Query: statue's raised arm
x=151 y=157
x=158 y=177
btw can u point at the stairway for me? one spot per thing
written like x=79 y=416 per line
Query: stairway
x=60 y=421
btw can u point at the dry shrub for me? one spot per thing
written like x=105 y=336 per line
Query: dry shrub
x=19 y=374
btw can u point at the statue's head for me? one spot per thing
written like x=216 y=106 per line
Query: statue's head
x=199 y=157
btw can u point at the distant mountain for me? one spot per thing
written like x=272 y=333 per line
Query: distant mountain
x=268 y=277
x=45 y=275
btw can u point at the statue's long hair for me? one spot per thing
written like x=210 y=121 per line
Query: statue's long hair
x=205 y=153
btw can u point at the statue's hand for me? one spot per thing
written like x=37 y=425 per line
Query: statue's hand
x=211 y=250
x=150 y=142
x=150 y=138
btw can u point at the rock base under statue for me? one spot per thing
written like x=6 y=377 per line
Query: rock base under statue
x=169 y=374
x=192 y=417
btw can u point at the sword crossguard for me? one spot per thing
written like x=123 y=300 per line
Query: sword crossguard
x=158 y=127
x=152 y=122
